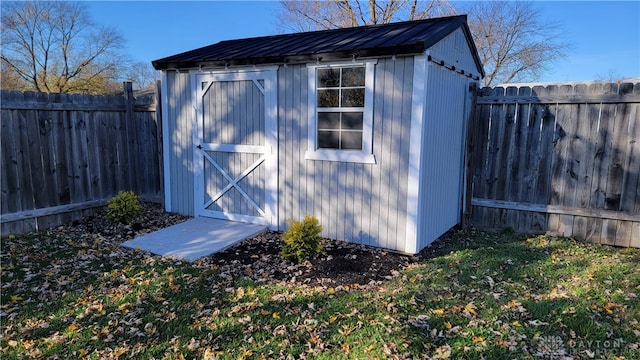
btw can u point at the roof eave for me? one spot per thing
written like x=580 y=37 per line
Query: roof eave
x=401 y=50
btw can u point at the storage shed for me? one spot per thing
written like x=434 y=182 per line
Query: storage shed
x=362 y=127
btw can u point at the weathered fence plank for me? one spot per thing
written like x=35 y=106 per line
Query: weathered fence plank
x=542 y=144
x=480 y=155
x=63 y=154
x=562 y=159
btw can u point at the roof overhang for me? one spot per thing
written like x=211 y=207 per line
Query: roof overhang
x=378 y=52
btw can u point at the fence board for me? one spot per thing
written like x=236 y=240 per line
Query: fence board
x=10 y=200
x=560 y=159
x=608 y=122
x=63 y=154
x=27 y=191
x=616 y=173
x=544 y=151
x=93 y=158
x=585 y=152
x=507 y=150
x=563 y=180
x=531 y=126
x=480 y=151
x=521 y=181
x=636 y=154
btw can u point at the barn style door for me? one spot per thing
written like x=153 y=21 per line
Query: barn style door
x=235 y=169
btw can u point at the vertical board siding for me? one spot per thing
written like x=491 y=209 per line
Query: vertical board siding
x=361 y=203
x=442 y=159
x=447 y=109
x=180 y=112
x=563 y=159
x=63 y=154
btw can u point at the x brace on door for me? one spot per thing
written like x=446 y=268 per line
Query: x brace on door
x=233 y=183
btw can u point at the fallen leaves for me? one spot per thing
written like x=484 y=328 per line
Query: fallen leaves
x=78 y=294
x=470 y=309
x=438 y=311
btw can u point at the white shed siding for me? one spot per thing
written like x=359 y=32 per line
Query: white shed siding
x=361 y=203
x=443 y=141
x=443 y=109
x=453 y=50
x=442 y=167
x=179 y=113
x=416 y=145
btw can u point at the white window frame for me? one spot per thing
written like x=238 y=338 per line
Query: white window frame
x=366 y=155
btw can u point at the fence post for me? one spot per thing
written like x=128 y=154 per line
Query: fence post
x=129 y=124
x=465 y=217
x=157 y=99
x=129 y=100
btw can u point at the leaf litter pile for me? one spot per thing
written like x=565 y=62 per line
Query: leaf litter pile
x=74 y=292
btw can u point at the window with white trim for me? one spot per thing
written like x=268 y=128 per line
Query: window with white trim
x=341 y=112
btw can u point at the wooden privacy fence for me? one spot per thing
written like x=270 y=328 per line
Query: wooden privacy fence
x=64 y=154
x=559 y=159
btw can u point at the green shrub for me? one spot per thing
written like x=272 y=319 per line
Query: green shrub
x=124 y=207
x=302 y=239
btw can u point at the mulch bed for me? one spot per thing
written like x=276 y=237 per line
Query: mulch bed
x=341 y=264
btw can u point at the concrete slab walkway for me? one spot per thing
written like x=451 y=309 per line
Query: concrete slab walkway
x=195 y=238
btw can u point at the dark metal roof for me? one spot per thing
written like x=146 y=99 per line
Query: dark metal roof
x=402 y=38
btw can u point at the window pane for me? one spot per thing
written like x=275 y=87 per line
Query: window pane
x=328 y=120
x=352 y=140
x=353 y=97
x=329 y=139
x=352 y=121
x=328 y=98
x=353 y=76
x=328 y=78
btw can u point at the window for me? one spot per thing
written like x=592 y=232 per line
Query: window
x=340 y=112
x=341 y=94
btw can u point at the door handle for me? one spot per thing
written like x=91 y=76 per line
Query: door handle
x=199 y=147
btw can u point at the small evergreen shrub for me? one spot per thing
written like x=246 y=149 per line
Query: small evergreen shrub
x=302 y=239
x=124 y=207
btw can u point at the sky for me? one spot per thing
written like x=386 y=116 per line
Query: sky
x=604 y=36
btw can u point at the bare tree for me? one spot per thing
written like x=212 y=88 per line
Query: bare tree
x=514 y=44
x=142 y=75
x=54 y=47
x=320 y=15
x=611 y=76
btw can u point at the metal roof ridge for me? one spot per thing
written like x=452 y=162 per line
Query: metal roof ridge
x=344 y=29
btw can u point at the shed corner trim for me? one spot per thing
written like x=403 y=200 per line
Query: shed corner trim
x=413 y=240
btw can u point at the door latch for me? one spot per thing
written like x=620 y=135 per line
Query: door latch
x=199 y=147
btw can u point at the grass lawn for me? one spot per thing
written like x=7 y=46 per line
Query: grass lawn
x=478 y=296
